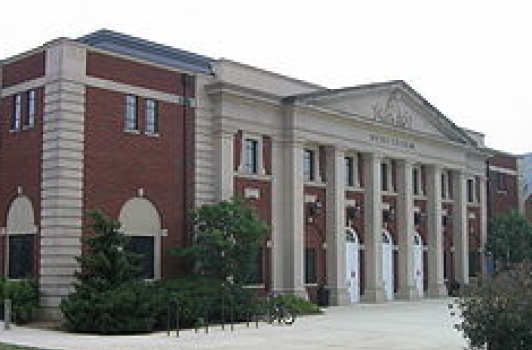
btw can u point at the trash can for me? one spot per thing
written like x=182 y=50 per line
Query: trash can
x=323 y=295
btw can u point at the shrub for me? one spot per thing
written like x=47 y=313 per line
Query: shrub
x=199 y=297
x=129 y=308
x=107 y=299
x=298 y=305
x=24 y=295
x=498 y=311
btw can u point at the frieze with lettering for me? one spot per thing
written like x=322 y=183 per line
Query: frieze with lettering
x=392 y=141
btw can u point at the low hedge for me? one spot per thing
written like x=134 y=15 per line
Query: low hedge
x=24 y=296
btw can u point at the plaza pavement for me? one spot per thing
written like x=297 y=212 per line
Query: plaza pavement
x=423 y=325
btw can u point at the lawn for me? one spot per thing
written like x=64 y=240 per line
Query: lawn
x=4 y=346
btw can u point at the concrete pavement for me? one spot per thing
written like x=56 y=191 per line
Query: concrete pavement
x=424 y=325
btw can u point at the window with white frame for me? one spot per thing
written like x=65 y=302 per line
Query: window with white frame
x=386 y=176
x=151 y=116
x=131 y=120
x=417 y=180
x=444 y=183
x=471 y=190
x=351 y=170
x=17 y=112
x=309 y=165
x=31 y=108
x=251 y=156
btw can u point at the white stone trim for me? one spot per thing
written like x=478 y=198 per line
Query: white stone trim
x=502 y=170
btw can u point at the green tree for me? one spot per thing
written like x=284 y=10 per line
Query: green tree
x=497 y=312
x=107 y=297
x=509 y=239
x=225 y=241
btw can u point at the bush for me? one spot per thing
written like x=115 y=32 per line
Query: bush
x=199 y=297
x=298 y=305
x=498 y=311
x=24 y=295
x=130 y=308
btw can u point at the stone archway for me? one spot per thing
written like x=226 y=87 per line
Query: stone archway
x=20 y=234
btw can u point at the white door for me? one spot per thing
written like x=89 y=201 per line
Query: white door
x=352 y=265
x=418 y=263
x=387 y=264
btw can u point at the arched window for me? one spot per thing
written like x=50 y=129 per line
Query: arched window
x=20 y=233
x=141 y=222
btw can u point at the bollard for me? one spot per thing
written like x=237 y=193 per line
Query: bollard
x=176 y=319
x=232 y=313
x=168 y=319
x=223 y=311
x=206 y=316
x=7 y=314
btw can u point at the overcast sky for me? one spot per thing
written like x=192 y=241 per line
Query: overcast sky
x=471 y=59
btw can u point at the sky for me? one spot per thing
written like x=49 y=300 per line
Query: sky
x=471 y=59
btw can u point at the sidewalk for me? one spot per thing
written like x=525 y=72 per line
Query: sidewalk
x=425 y=325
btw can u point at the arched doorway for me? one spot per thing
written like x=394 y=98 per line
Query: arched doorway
x=418 y=263
x=141 y=222
x=352 y=258
x=387 y=264
x=20 y=247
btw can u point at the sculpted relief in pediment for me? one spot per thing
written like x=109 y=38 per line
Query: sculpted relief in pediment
x=393 y=111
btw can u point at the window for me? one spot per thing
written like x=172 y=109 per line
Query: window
x=311 y=274
x=349 y=171
x=443 y=184
x=31 y=108
x=470 y=190
x=474 y=264
x=309 y=165
x=257 y=273
x=384 y=176
x=415 y=180
x=151 y=116
x=131 y=113
x=251 y=156
x=501 y=182
x=21 y=253
x=144 y=247
x=17 y=111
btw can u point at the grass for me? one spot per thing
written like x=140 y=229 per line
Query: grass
x=4 y=346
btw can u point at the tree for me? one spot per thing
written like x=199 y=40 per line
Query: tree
x=497 y=312
x=226 y=238
x=509 y=239
x=107 y=297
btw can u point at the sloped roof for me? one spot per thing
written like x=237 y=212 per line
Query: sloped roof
x=148 y=50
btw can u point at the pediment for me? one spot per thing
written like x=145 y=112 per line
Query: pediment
x=395 y=104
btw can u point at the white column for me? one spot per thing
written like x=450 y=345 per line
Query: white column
x=374 y=291
x=436 y=286
x=336 y=240
x=225 y=140
x=483 y=223
x=460 y=236
x=278 y=217
x=405 y=240
x=288 y=242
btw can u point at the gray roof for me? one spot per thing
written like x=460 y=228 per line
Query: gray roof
x=148 y=50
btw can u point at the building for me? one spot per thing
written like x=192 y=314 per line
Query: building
x=525 y=189
x=370 y=191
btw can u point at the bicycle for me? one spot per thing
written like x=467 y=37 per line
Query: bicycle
x=278 y=311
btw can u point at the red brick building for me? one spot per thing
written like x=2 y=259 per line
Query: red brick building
x=369 y=191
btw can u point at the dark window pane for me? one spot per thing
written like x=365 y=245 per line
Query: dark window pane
x=384 y=177
x=311 y=275
x=251 y=161
x=349 y=168
x=144 y=246
x=309 y=165
x=21 y=256
x=474 y=264
x=151 y=116
x=131 y=113
x=257 y=275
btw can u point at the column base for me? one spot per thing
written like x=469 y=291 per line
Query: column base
x=339 y=297
x=437 y=291
x=373 y=296
x=409 y=293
